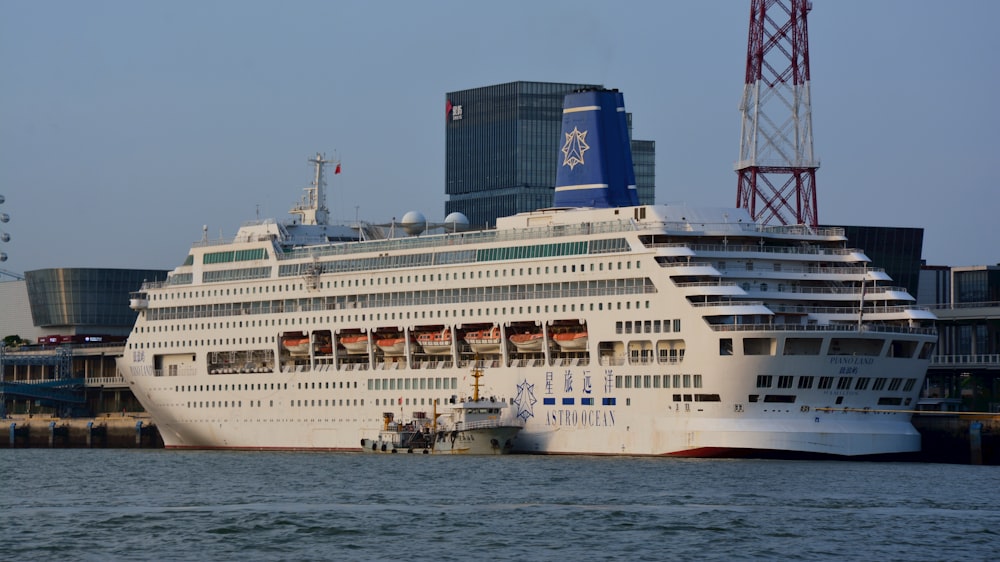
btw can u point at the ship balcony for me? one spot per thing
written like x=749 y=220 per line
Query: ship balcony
x=786 y=272
x=711 y=289
x=673 y=250
x=875 y=313
x=839 y=327
x=789 y=253
x=765 y=289
x=138 y=301
x=733 y=308
x=688 y=268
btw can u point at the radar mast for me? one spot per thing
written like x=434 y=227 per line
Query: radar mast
x=312 y=209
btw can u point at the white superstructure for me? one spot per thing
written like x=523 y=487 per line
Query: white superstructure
x=646 y=330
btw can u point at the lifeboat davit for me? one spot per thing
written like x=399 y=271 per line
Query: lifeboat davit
x=324 y=348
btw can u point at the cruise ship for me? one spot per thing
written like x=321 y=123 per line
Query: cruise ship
x=605 y=327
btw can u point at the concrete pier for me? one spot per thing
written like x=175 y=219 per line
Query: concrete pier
x=112 y=431
x=962 y=439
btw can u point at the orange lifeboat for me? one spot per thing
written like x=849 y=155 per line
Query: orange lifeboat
x=392 y=346
x=435 y=343
x=296 y=345
x=484 y=341
x=355 y=343
x=528 y=341
x=571 y=341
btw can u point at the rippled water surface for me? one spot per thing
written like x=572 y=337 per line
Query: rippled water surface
x=104 y=504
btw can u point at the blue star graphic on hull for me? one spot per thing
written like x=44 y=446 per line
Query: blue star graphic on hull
x=524 y=400
x=576 y=145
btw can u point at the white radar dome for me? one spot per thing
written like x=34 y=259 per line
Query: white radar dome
x=456 y=222
x=414 y=223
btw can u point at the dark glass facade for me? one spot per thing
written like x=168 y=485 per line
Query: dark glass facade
x=501 y=150
x=976 y=284
x=86 y=300
x=895 y=249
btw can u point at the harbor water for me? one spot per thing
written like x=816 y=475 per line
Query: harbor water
x=126 y=504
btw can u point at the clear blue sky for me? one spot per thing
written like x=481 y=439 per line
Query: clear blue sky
x=126 y=126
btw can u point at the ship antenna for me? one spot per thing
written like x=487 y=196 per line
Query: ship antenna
x=312 y=210
x=477 y=372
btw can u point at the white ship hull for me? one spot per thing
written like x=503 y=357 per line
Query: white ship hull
x=296 y=410
x=706 y=335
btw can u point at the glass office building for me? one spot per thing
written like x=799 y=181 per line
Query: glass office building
x=501 y=149
x=82 y=300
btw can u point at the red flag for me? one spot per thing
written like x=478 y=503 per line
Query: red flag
x=337 y=169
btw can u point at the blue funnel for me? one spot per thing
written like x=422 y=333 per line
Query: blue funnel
x=595 y=158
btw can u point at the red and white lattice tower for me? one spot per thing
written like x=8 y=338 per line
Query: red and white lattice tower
x=777 y=169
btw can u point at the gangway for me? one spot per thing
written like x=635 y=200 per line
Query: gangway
x=63 y=390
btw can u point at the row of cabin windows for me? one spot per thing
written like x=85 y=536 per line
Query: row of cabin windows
x=463 y=313
x=258 y=403
x=658 y=381
x=394 y=300
x=647 y=326
x=424 y=278
x=260 y=386
x=843 y=383
x=414 y=383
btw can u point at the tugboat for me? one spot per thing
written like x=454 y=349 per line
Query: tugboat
x=473 y=427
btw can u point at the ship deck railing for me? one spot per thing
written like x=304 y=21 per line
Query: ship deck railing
x=489 y=424
x=757 y=248
x=107 y=382
x=229 y=309
x=728 y=302
x=874 y=309
x=788 y=287
x=880 y=328
x=519 y=234
x=847 y=270
x=178 y=372
x=978 y=360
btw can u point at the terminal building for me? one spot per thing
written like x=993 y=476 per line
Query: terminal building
x=501 y=144
x=966 y=368
x=63 y=330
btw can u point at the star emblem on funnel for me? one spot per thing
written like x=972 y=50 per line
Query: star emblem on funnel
x=576 y=145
